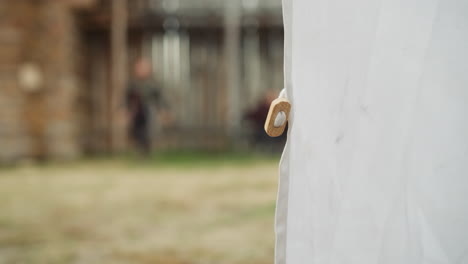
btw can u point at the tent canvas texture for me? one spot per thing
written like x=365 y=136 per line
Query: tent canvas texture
x=375 y=170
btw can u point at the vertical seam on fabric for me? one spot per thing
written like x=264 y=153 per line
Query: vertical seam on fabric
x=283 y=188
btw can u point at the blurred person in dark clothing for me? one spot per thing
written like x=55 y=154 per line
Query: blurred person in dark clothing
x=142 y=96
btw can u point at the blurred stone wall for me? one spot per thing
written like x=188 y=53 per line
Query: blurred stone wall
x=39 y=84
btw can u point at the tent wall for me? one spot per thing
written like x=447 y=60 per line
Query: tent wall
x=375 y=166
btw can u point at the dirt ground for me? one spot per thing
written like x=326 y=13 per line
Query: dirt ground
x=108 y=212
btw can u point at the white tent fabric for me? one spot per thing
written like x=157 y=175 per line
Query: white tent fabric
x=375 y=170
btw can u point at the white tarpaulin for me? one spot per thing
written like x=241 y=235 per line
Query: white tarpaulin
x=375 y=170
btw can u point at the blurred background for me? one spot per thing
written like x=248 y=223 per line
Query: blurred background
x=131 y=131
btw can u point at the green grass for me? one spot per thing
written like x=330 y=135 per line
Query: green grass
x=206 y=158
x=176 y=208
x=181 y=159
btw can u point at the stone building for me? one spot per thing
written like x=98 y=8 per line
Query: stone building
x=39 y=79
x=64 y=65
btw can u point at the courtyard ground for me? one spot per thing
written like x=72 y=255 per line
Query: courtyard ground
x=175 y=210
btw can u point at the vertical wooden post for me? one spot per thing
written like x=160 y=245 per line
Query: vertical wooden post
x=232 y=55
x=119 y=78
